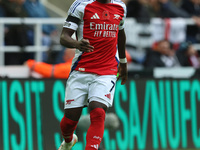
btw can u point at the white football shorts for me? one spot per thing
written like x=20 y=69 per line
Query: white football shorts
x=83 y=88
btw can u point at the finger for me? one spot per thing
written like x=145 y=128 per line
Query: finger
x=84 y=46
x=90 y=46
x=86 y=41
x=87 y=49
x=123 y=81
x=118 y=78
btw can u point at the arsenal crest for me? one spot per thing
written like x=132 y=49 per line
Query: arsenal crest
x=106 y=15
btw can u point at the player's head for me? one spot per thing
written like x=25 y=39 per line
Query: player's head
x=164 y=47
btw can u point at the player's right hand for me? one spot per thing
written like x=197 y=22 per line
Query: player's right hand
x=84 y=45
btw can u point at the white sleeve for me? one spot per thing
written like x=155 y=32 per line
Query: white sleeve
x=121 y=24
x=75 y=14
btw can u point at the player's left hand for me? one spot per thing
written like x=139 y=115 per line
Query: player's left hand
x=122 y=73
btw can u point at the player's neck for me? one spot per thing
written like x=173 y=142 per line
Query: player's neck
x=103 y=1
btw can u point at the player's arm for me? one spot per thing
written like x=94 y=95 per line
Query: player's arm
x=122 y=68
x=67 y=41
x=75 y=15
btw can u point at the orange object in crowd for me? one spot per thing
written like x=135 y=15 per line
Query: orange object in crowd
x=61 y=70
x=128 y=57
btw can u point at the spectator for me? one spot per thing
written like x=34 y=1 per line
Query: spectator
x=193 y=8
x=138 y=9
x=154 y=8
x=34 y=8
x=161 y=56
x=170 y=9
x=188 y=55
x=22 y=35
x=166 y=9
x=178 y=3
x=143 y=10
x=61 y=70
x=15 y=34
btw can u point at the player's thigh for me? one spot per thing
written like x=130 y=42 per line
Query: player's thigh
x=76 y=93
x=102 y=89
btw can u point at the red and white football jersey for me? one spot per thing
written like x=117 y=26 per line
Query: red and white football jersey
x=99 y=23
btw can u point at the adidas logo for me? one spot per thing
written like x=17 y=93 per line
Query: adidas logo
x=108 y=96
x=95 y=16
x=95 y=146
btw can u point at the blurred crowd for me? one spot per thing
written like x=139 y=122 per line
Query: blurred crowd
x=23 y=35
x=144 y=10
x=162 y=53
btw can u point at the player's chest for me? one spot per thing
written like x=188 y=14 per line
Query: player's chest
x=97 y=14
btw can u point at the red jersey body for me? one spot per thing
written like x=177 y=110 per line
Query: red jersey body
x=99 y=23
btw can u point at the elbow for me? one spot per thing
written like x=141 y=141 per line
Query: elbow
x=62 y=41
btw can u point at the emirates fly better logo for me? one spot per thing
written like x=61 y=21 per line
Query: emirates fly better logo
x=104 y=29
